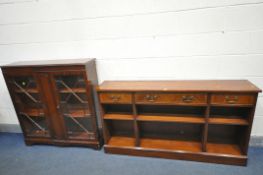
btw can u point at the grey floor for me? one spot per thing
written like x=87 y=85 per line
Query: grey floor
x=18 y=159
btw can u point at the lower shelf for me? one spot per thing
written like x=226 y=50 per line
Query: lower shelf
x=175 y=149
x=227 y=149
x=190 y=146
x=156 y=144
x=228 y=121
x=122 y=141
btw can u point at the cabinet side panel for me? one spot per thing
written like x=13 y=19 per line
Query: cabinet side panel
x=92 y=77
x=6 y=77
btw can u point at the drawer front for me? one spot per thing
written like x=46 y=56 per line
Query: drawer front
x=115 y=98
x=173 y=98
x=232 y=99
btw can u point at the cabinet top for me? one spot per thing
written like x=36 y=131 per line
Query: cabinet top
x=181 y=85
x=59 y=62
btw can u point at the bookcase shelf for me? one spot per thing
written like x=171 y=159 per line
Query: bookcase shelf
x=121 y=141
x=226 y=121
x=29 y=90
x=179 y=119
x=76 y=90
x=169 y=144
x=78 y=113
x=226 y=149
x=118 y=117
x=207 y=121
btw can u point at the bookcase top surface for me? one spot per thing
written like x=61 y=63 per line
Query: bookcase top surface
x=59 y=62
x=181 y=85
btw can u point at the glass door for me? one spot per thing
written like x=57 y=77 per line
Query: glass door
x=29 y=106
x=74 y=106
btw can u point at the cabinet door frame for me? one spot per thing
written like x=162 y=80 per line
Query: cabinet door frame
x=88 y=94
x=21 y=72
x=56 y=122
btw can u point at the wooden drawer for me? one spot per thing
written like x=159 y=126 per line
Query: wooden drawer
x=115 y=98
x=243 y=99
x=170 y=98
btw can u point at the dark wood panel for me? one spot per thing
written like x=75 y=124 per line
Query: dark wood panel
x=87 y=143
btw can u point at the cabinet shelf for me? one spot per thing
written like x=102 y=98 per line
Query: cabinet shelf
x=29 y=90
x=118 y=117
x=40 y=113
x=227 y=149
x=179 y=119
x=76 y=90
x=78 y=113
x=121 y=141
x=163 y=144
x=33 y=112
x=167 y=144
x=228 y=121
x=155 y=118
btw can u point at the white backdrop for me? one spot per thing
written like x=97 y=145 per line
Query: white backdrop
x=138 y=39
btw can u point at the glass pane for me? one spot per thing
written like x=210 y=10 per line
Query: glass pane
x=30 y=107
x=74 y=106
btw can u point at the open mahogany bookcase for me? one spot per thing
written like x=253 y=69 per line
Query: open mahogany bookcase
x=207 y=121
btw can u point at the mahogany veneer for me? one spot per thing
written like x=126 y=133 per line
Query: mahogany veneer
x=54 y=100
x=206 y=120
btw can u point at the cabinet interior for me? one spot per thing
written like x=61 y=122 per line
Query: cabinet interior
x=118 y=109
x=171 y=110
x=174 y=127
x=230 y=112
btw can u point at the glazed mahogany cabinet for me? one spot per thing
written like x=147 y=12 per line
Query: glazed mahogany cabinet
x=208 y=120
x=54 y=101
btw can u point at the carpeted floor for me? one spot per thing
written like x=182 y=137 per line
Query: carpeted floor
x=18 y=159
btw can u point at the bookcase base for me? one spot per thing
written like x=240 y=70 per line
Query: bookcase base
x=177 y=154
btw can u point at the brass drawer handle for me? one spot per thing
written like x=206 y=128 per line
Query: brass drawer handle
x=231 y=100
x=187 y=99
x=151 y=98
x=115 y=98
